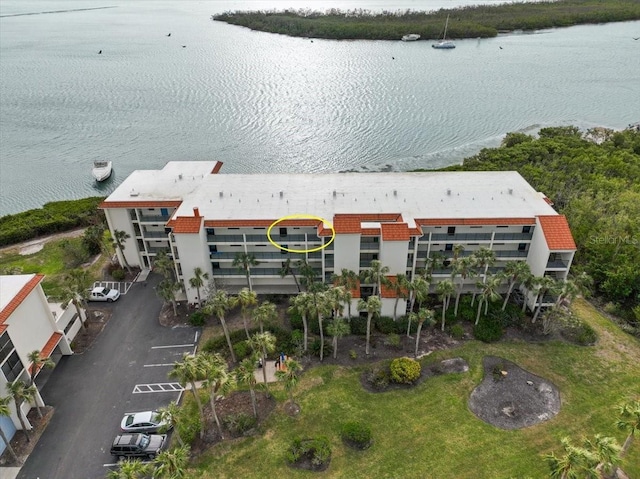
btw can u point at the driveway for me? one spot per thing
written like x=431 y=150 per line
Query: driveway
x=92 y=391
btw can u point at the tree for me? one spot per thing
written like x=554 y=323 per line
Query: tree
x=307 y=272
x=5 y=411
x=335 y=296
x=93 y=239
x=172 y=464
x=514 y=272
x=484 y=257
x=445 y=289
x=300 y=305
x=400 y=289
x=244 y=262
x=375 y=275
x=244 y=374
x=287 y=269
x=544 y=285
x=117 y=241
x=247 y=299
x=372 y=306
x=164 y=263
x=320 y=306
x=348 y=279
x=465 y=268
x=263 y=343
x=78 y=282
x=572 y=287
x=422 y=316
x=420 y=292
x=167 y=289
x=218 y=380
x=266 y=313
x=337 y=328
x=37 y=363
x=218 y=305
x=607 y=451
x=198 y=280
x=189 y=371
x=488 y=292
x=290 y=375
x=20 y=393
x=170 y=415
x=577 y=463
x=628 y=420
x=130 y=469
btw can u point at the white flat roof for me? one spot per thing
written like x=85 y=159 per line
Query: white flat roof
x=475 y=194
x=10 y=286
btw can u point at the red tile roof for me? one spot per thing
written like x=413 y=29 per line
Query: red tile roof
x=258 y=223
x=216 y=168
x=186 y=224
x=346 y=225
x=557 y=232
x=48 y=348
x=388 y=292
x=395 y=232
x=370 y=231
x=20 y=297
x=3 y=328
x=474 y=221
x=140 y=204
x=369 y=217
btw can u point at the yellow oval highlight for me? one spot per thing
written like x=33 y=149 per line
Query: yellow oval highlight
x=300 y=216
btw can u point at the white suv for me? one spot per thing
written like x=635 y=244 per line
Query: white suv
x=100 y=293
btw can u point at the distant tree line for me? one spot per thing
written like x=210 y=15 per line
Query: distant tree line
x=53 y=217
x=465 y=22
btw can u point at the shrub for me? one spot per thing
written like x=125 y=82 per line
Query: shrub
x=402 y=326
x=404 y=370
x=353 y=354
x=295 y=320
x=240 y=424
x=488 y=330
x=385 y=324
x=315 y=348
x=358 y=325
x=197 y=318
x=457 y=331
x=377 y=377
x=356 y=434
x=317 y=450
x=577 y=331
x=118 y=274
x=188 y=423
x=242 y=350
x=393 y=340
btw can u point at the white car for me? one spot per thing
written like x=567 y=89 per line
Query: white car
x=100 y=293
x=145 y=421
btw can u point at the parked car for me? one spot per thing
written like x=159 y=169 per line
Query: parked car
x=101 y=293
x=144 y=421
x=138 y=445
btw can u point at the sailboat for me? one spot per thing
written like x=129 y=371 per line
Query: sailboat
x=444 y=43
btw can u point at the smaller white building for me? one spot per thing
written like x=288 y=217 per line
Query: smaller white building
x=28 y=322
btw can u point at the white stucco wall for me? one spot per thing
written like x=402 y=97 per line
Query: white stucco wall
x=393 y=254
x=118 y=219
x=193 y=253
x=346 y=252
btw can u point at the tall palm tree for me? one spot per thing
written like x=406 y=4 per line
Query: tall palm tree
x=38 y=362
x=628 y=420
x=337 y=328
x=5 y=411
x=300 y=305
x=170 y=415
x=247 y=299
x=445 y=289
x=465 y=267
x=77 y=285
x=172 y=464
x=545 y=285
x=375 y=275
x=266 y=313
x=484 y=257
x=348 y=279
x=244 y=374
x=488 y=292
x=572 y=287
x=165 y=265
x=514 y=272
x=218 y=380
x=290 y=375
x=335 y=297
x=420 y=289
x=244 y=262
x=531 y=284
x=577 y=463
x=117 y=241
x=400 y=288
x=320 y=307
x=264 y=343
x=288 y=269
x=432 y=263
x=189 y=371
x=20 y=393
x=372 y=306
x=307 y=273
x=608 y=452
x=422 y=316
x=167 y=289
x=198 y=280
x=218 y=305
x=130 y=469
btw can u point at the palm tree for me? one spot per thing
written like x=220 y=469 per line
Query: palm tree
x=172 y=464
x=244 y=374
x=580 y=285
x=130 y=469
x=20 y=393
x=264 y=343
x=514 y=272
x=531 y=284
x=335 y=296
x=218 y=380
x=400 y=288
x=577 y=463
x=445 y=289
x=78 y=282
x=189 y=371
x=244 y=262
x=435 y=261
x=420 y=289
x=320 y=307
x=117 y=241
x=288 y=269
x=167 y=289
x=608 y=452
x=198 y=280
x=37 y=363
x=465 y=268
x=544 y=285
x=219 y=304
x=488 y=292
x=375 y=275
x=170 y=415
x=264 y=314
x=372 y=306
x=290 y=375
x=300 y=305
x=348 y=279
x=484 y=257
x=164 y=264
x=5 y=411
x=337 y=328
x=422 y=316
x=628 y=420
x=247 y=299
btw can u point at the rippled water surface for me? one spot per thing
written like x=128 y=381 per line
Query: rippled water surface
x=269 y=103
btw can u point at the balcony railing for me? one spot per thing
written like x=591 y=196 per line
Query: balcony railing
x=153 y=219
x=511 y=254
x=155 y=234
x=557 y=264
x=236 y=238
x=254 y=272
x=226 y=239
x=513 y=236
x=461 y=237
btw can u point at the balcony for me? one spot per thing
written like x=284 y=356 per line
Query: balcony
x=513 y=236
x=557 y=264
x=156 y=250
x=155 y=234
x=511 y=254
x=153 y=219
x=225 y=239
x=459 y=237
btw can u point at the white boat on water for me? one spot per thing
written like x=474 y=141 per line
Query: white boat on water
x=411 y=37
x=101 y=170
x=444 y=44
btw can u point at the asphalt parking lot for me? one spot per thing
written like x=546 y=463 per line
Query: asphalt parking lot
x=125 y=371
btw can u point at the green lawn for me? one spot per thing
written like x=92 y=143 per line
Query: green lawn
x=429 y=432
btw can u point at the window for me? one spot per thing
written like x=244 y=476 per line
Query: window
x=475 y=227
x=448 y=247
x=376 y=239
x=6 y=346
x=282 y=251
x=283 y=231
x=522 y=246
x=233 y=228
x=215 y=265
x=164 y=212
x=261 y=229
x=12 y=367
x=502 y=226
x=210 y=231
x=71 y=323
x=526 y=229
x=451 y=230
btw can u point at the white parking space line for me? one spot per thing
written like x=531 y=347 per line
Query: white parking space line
x=172 y=346
x=114 y=464
x=157 y=388
x=157 y=365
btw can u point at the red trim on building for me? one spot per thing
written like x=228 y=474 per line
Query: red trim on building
x=258 y=223
x=474 y=221
x=20 y=297
x=387 y=292
x=557 y=232
x=395 y=232
x=140 y=204
x=48 y=348
x=217 y=167
x=370 y=231
x=186 y=224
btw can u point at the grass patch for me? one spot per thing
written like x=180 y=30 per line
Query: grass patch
x=428 y=431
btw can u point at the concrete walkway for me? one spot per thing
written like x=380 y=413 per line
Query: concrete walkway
x=9 y=472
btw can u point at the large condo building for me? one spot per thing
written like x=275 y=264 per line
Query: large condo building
x=204 y=219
